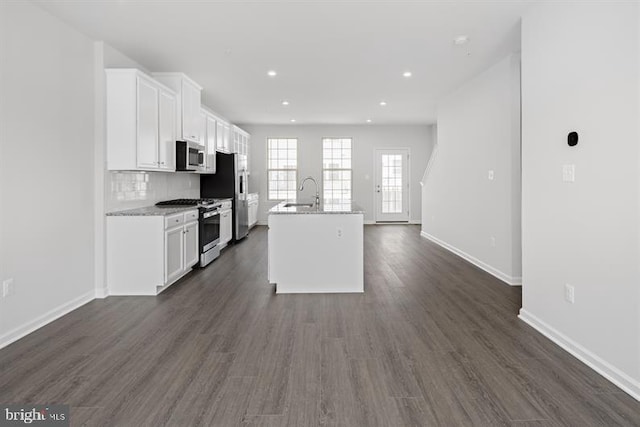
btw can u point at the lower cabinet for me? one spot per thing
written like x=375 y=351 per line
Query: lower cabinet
x=226 y=227
x=146 y=254
x=253 y=209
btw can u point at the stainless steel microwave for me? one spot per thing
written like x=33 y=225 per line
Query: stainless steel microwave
x=189 y=156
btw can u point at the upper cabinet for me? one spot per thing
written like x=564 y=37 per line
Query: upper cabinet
x=146 y=115
x=209 y=125
x=140 y=122
x=188 y=116
x=223 y=142
x=241 y=146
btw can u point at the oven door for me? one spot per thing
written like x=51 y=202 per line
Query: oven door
x=209 y=230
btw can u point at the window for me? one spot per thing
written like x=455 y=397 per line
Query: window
x=336 y=170
x=282 y=168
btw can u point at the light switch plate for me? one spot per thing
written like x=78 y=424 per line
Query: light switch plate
x=568 y=173
x=490 y=175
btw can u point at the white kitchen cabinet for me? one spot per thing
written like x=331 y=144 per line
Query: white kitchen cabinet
x=253 y=203
x=174 y=254
x=241 y=144
x=147 y=254
x=167 y=131
x=211 y=132
x=226 y=226
x=147 y=129
x=224 y=137
x=188 y=105
x=202 y=127
x=140 y=122
x=227 y=138
x=191 y=252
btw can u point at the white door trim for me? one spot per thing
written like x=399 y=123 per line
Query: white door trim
x=376 y=177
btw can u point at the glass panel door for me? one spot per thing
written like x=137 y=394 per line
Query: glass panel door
x=391 y=190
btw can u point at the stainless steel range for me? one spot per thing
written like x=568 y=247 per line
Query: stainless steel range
x=209 y=225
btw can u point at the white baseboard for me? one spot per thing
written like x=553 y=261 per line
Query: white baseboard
x=414 y=222
x=48 y=317
x=102 y=293
x=509 y=280
x=613 y=374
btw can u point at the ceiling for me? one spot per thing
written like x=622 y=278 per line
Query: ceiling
x=336 y=60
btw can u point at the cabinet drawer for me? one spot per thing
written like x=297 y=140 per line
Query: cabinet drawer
x=190 y=216
x=173 y=220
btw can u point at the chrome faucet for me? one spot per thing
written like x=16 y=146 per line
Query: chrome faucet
x=317 y=193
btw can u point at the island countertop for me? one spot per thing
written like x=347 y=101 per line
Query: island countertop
x=324 y=208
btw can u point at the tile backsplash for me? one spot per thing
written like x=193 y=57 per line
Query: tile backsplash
x=130 y=190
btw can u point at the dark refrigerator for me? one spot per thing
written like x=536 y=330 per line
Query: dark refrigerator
x=230 y=182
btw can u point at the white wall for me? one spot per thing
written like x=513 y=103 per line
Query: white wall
x=479 y=130
x=365 y=139
x=580 y=72
x=46 y=167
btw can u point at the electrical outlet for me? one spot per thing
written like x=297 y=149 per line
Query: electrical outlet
x=569 y=293
x=490 y=175
x=492 y=241
x=339 y=232
x=7 y=288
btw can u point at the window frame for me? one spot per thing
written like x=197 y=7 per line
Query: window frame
x=322 y=140
x=269 y=138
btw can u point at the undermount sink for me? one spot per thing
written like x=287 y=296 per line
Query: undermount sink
x=298 y=205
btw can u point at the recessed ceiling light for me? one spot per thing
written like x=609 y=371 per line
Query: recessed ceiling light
x=407 y=74
x=285 y=103
x=368 y=120
x=383 y=103
x=272 y=73
x=460 y=40
x=293 y=120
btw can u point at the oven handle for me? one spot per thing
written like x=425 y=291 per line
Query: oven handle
x=210 y=214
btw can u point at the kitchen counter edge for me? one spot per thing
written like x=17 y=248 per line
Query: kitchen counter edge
x=279 y=209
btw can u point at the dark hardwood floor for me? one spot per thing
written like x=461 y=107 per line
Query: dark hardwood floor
x=432 y=341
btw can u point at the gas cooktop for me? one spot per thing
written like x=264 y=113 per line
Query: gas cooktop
x=189 y=202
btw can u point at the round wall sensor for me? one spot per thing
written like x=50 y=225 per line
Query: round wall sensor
x=572 y=139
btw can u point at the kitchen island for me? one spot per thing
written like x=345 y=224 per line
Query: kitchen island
x=316 y=249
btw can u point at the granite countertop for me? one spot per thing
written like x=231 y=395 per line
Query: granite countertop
x=153 y=211
x=324 y=208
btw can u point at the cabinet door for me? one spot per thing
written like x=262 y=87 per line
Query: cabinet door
x=253 y=213
x=220 y=136
x=191 y=250
x=147 y=129
x=225 y=227
x=227 y=138
x=236 y=143
x=173 y=253
x=190 y=112
x=211 y=144
x=202 y=128
x=167 y=131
